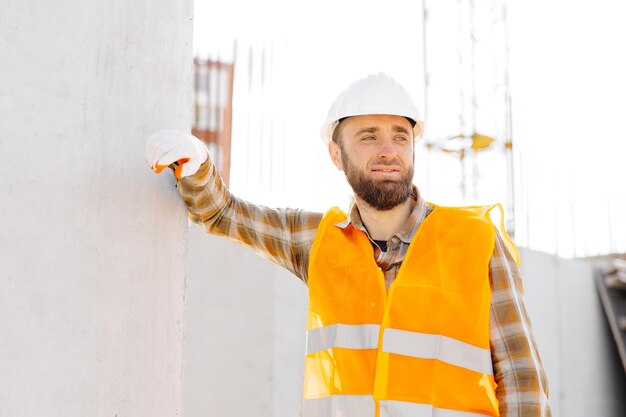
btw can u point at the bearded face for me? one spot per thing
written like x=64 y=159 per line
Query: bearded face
x=376 y=153
x=380 y=193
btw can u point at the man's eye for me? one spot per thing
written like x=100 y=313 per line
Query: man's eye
x=401 y=138
x=368 y=138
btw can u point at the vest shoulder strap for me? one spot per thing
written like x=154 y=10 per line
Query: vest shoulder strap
x=334 y=215
x=485 y=213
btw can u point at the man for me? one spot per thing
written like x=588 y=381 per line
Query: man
x=415 y=309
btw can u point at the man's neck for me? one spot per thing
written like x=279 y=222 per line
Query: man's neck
x=381 y=225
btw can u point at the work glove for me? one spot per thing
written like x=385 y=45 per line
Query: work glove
x=173 y=147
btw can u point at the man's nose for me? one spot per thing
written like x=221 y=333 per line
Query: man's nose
x=387 y=150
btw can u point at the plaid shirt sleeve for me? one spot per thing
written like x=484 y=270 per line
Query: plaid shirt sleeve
x=283 y=236
x=522 y=383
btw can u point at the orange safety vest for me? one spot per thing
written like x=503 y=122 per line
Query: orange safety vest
x=420 y=350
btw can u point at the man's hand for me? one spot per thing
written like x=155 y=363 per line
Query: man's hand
x=169 y=146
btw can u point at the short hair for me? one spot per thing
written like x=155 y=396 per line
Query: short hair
x=337 y=130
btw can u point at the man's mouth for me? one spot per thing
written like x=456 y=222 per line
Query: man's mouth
x=385 y=169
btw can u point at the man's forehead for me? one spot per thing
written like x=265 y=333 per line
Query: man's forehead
x=377 y=128
x=374 y=123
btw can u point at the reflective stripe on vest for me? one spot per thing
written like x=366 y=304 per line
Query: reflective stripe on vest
x=401 y=342
x=361 y=336
x=340 y=405
x=434 y=346
x=363 y=406
x=422 y=345
x=406 y=409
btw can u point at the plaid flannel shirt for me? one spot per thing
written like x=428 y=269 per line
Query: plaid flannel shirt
x=285 y=236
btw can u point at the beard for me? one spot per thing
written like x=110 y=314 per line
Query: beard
x=381 y=195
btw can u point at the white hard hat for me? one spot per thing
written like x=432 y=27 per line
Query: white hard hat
x=375 y=94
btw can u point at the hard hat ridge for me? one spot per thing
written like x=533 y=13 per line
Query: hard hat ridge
x=375 y=94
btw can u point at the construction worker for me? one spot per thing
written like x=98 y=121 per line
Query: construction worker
x=415 y=309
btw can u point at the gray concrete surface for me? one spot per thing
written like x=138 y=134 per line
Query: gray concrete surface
x=92 y=244
x=578 y=351
x=246 y=329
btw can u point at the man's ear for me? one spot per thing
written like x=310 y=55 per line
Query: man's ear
x=334 y=150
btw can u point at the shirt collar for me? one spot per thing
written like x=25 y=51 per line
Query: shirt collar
x=417 y=216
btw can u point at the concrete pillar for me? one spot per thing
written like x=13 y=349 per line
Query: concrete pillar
x=92 y=244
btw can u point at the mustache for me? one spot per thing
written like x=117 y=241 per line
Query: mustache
x=387 y=163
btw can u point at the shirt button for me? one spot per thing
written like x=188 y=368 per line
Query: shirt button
x=394 y=240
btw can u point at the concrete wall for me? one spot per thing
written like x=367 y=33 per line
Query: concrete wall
x=92 y=244
x=247 y=319
x=246 y=329
x=578 y=351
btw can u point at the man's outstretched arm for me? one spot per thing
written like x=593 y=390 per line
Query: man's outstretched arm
x=284 y=236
